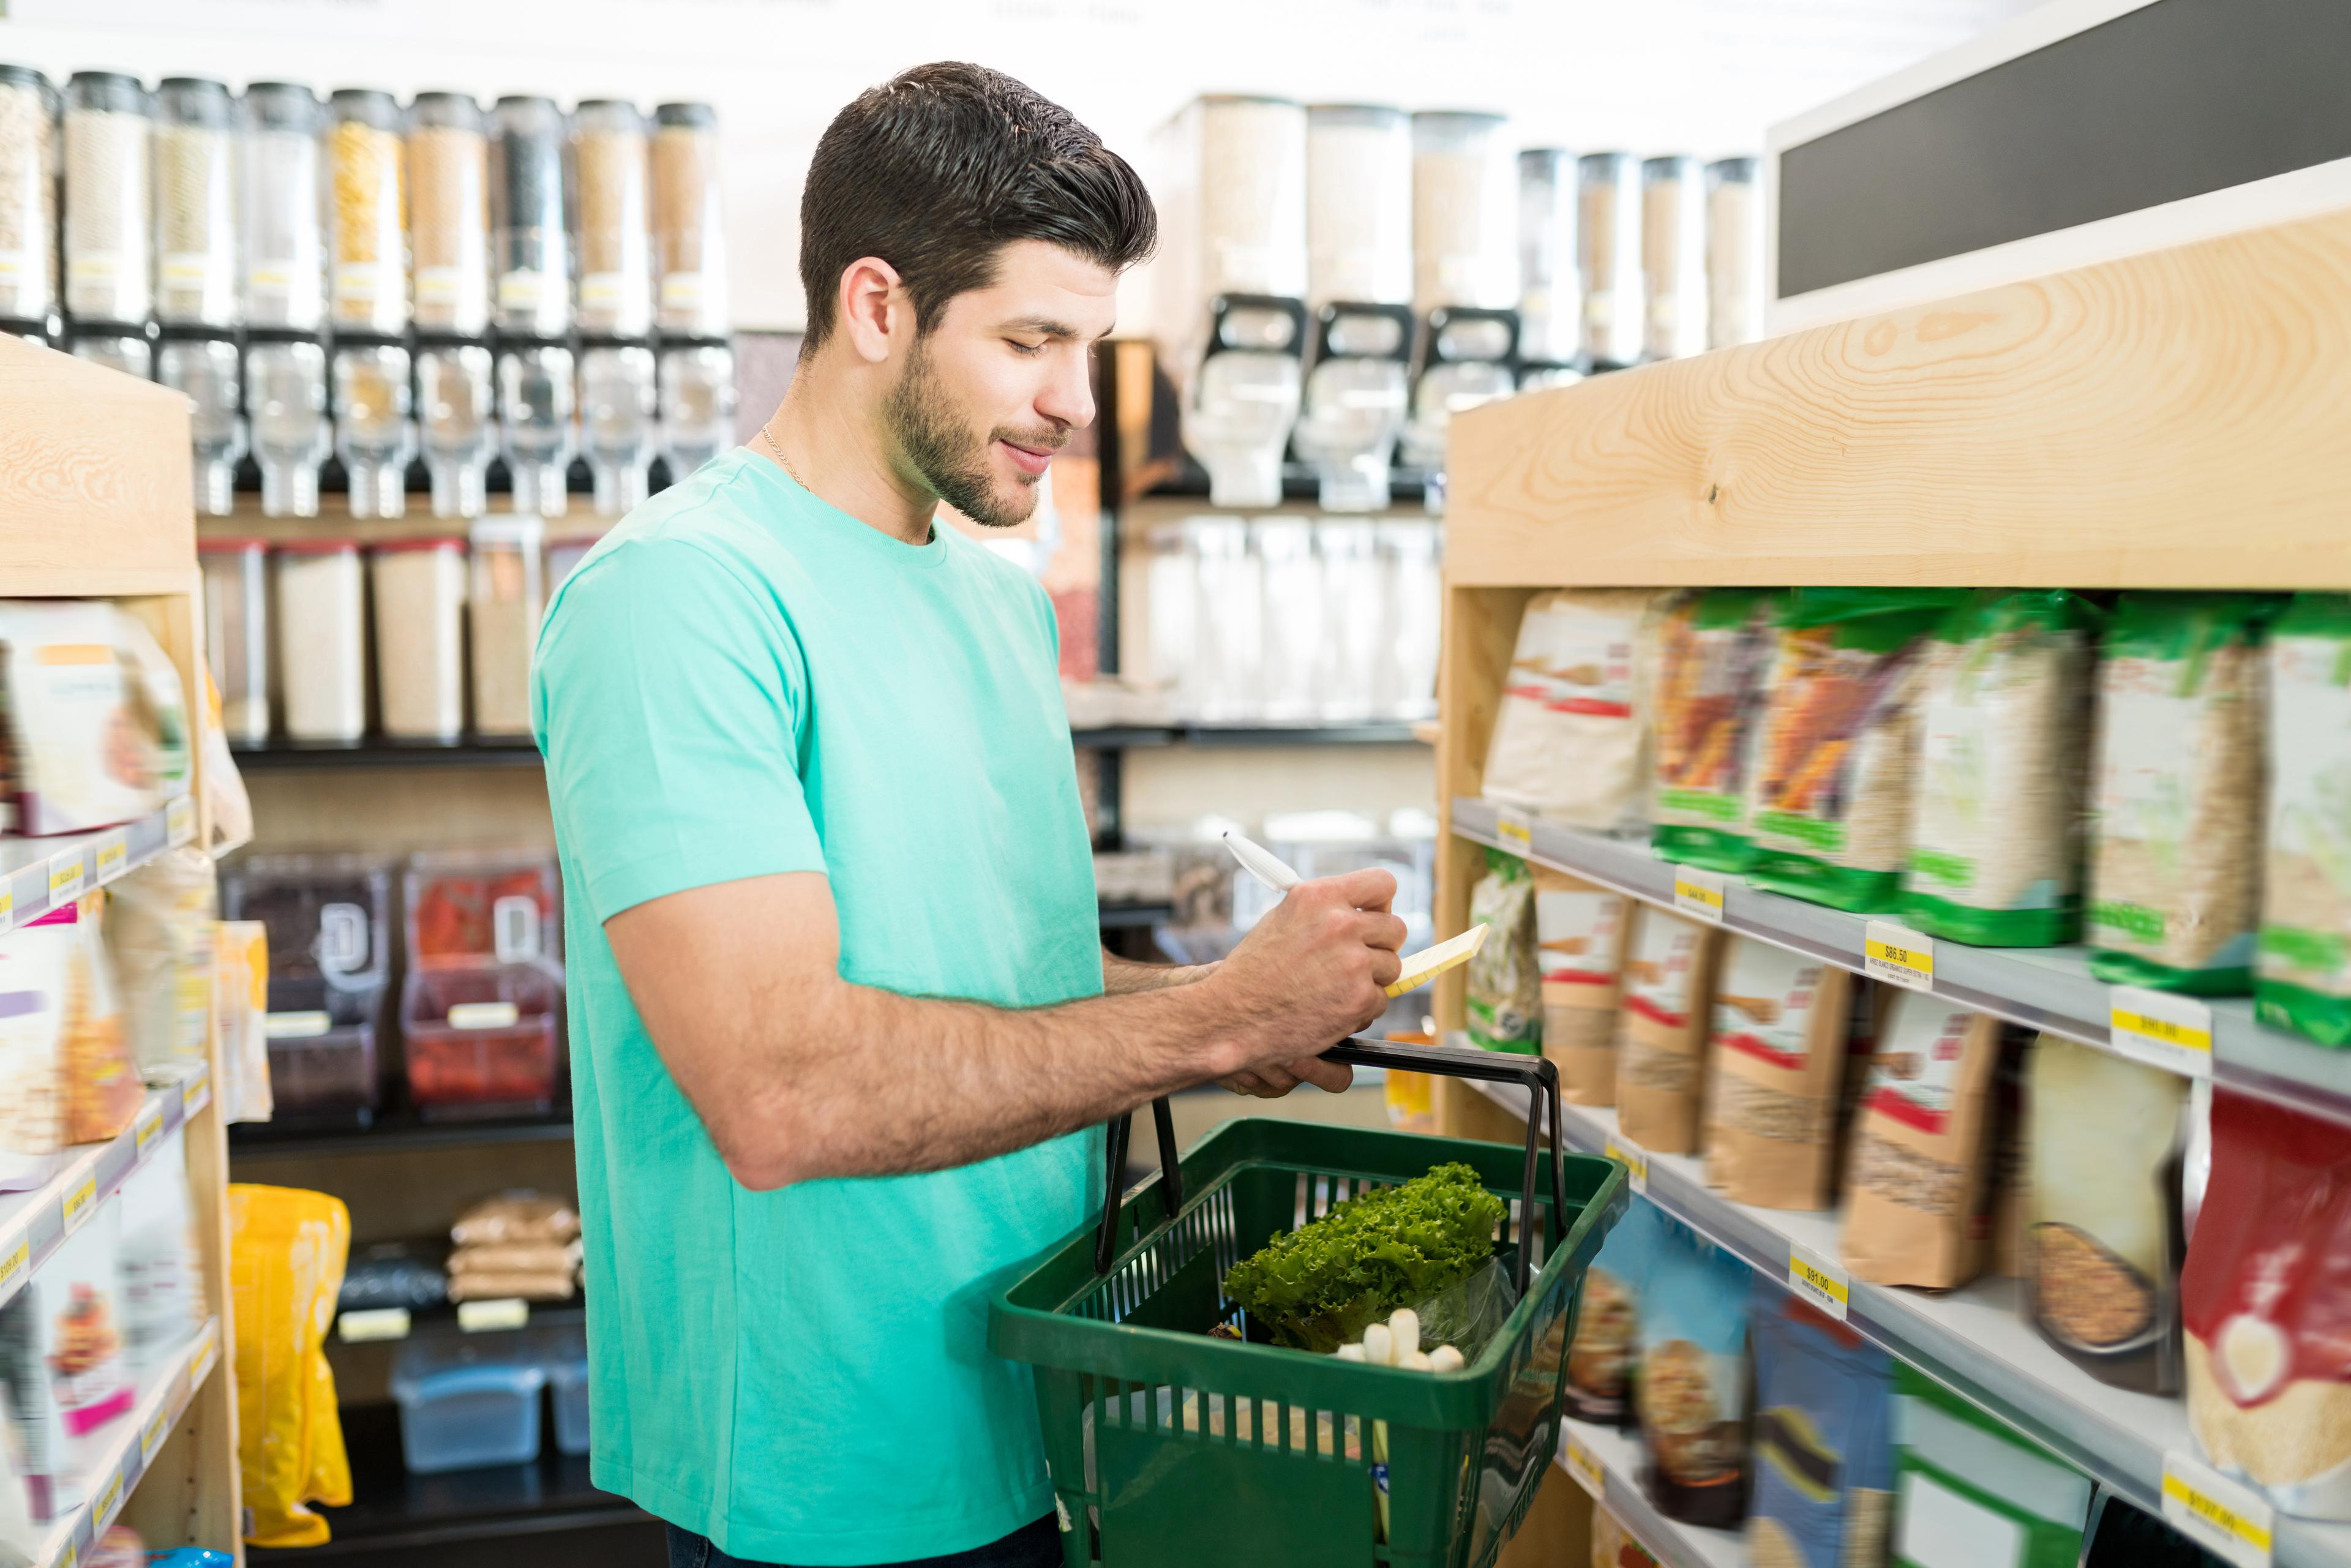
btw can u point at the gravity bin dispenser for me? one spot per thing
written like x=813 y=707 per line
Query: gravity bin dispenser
x=1464 y=219
x=1359 y=285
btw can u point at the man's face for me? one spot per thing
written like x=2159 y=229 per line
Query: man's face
x=996 y=387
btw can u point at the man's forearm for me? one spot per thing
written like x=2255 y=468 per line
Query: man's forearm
x=1124 y=976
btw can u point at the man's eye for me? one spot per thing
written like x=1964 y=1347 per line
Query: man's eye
x=1031 y=350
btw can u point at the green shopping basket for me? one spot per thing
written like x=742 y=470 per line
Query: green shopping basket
x=1168 y=1447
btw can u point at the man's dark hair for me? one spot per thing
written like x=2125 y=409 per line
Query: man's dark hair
x=940 y=168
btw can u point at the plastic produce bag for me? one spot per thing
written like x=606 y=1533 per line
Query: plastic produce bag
x=286 y=1253
x=1714 y=649
x=1505 y=981
x=1468 y=1314
x=2301 y=977
x=158 y=931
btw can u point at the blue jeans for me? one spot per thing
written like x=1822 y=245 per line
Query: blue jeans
x=1036 y=1545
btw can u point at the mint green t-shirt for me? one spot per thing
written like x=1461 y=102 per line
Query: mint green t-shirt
x=741 y=680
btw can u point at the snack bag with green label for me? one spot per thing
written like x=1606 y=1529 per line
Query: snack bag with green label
x=2302 y=973
x=1713 y=649
x=1831 y=788
x=2003 y=716
x=1505 y=980
x=1972 y=1490
x=2176 y=794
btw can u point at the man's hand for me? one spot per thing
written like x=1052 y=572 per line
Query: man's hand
x=1314 y=970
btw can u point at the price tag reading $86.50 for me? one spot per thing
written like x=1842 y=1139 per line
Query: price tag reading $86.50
x=1584 y=1466
x=1633 y=1157
x=1819 y=1281
x=1699 y=893
x=1898 y=956
x=2226 y=1517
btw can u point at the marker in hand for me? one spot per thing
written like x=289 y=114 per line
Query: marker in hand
x=1260 y=862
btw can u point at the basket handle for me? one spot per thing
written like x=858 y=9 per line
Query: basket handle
x=1535 y=1073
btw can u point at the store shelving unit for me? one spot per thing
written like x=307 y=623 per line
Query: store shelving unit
x=95 y=503
x=1607 y=1463
x=2177 y=419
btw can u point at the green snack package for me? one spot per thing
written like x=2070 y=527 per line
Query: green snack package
x=1972 y=1491
x=1713 y=649
x=2174 y=798
x=1830 y=792
x=2003 y=716
x=1505 y=980
x=2302 y=969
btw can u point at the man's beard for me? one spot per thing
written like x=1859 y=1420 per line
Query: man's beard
x=951 y=460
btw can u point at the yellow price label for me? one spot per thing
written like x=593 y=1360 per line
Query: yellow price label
x=179 y=821
x=2163 y=1030
x=64 y=876
x=113 y=856
x=2227 y=1517
x=1633 y=1157
x=201 y=1365
x=1516 y=832
x=484 y=1317
x=372 y=1323
x=150 y=1129
x=195 y=1090
x=1820 y=1282
x=1898 y=956
x=152 y=1437
x=14 y=1268
x=71 y=1556
x=1699 y=894
x=1585 y=1467
x=2160 y=1029
x=7 y=905
x=102 y=1514
x=79 y=1203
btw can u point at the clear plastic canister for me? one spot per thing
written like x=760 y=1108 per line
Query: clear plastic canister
x=609 y=169
x=1252 y=196
x=449 y=211
x=1293 y=605
x=617 y=418
x=206 y=371
x=1673 y=256
x=1230 y=580
x=1734 y=254
x=457 y=425
x=1358 y=205
x=532 y=262
x=420 y=638
x=195 y=204
x=1170 y=611
x=689 y=224
x=236 y=632
x=1356 y=619
x=1550 y=294
x=109 y=188
x=1414 y=571
x=536 y=399
x=1465 y=231
x=129 y=352
x=503 y=611
x=698 y=406
x=1608 y=248
x=321 y=639
x=368 y=218
x=373 y=434
x=29 y=195
x=285 y=241
x=286 y=403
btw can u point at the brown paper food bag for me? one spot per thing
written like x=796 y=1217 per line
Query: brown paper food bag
x=1777 y=1076
x=1916 y=1192
x=1661 y=1030
x=1580 y=946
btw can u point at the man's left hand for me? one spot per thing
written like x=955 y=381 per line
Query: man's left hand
x=1273 y=1082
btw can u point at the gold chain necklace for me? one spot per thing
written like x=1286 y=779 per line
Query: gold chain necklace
x=780 y=458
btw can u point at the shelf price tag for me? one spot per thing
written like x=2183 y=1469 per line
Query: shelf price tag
x=1516 y=830
x=152 y=1437
x=1585 y=1467
x=484 y=1317
x=1699 y=893
x=8 y=904
x=14 y=1267
x=200 y=1365
x=180 y=822
x=2164 y=1030
x=80 y=1203
x=71 y=1556
x=1898 y=956
x=65 y=877
x=1632 y=1157
x=2224 y=1516
x=1819 y=1281
x=375 y=1323
x=195 y=1089
x=101 y=1512
x=151 y=1127
x=113 y=855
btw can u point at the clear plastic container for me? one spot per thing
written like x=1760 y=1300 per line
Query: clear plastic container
x=457 y=418
x=532 y=261
x=503 y=611
x=321 y=639
x=1356 y=619
x=1358 y=205
x=482 y=1040
x=473 y=907
x=698 y=406
x=129 y=352
x=207 y=369
x=195 y=204
x=1734 y=254
x=29 y=195
x=1673 y=256
x=1608 y=251
x=563 y=1353
x=1230 y=579
x=329 y=958
x=236 y=632
x=1252 y=193
x=1172 y=611
x=314 y=1066
x=109 y=194
x=375 y=435
x=285 y=239
x=537 y=402
x=286 y=403
x=368 y=219
x=449 y=211
x=1465 y=241
x=1550 y=294
x=618 y=410
x=1414 y=571
x=610 y=171
x=1294 y=607
x=689 y=225
x=420 y=638
x=465 y=1404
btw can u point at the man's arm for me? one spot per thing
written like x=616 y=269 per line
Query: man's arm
x=800 y=1074
x=1126 y=978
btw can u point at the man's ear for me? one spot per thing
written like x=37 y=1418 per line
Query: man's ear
x=873 y=308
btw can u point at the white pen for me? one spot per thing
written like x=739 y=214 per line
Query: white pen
x=1260 y=862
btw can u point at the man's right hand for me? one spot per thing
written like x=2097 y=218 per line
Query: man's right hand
x=1311 y=972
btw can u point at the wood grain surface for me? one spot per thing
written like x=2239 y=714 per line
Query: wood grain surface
x=94 y=468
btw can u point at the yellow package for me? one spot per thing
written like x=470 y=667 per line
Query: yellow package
x=286 y=1253
x=241 y=1017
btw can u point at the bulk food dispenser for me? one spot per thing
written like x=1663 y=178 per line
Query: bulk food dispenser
x=1734 y=254
x=449 y=223
x=285 y=296
x=197 y=303
x=532 y=265
x=109 y=219
x=1359 y=288
x=368 y=299
x=696 y=373
x=1236 y=270
x=29 y=134
x=1673 y=256
x=614 y=245
x=1550 y=287
x=1465 y=243
x=1608 y=251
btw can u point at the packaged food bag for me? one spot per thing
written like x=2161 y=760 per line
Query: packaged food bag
x=34 y=962
x=1662 y=1030
x=1917 y=1193
x=517 y=1217
x=286 y=1252
x=2175 y=796
x=1600 y=1357
x=103 y=1090
x=1972 y=1493
x=1614 y=1546
x=1823 y=1442
x=2003 y=716
x=2302 y=976
x=29 y=1428
x=159 y=934
x=1571 y=737
x=241 y=1013
x=2104 y=1240
x=80 y=754
x=77 y=1324
x=1713 y=650
x=1833 y=782
x=19 y=1536
x=160 y=1268
x=1580 y=943
x=1777 y=1076
x=1693 y=1380
x=157 y=706
x=1504 y=983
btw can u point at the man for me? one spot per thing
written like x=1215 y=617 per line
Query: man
x=837 y=998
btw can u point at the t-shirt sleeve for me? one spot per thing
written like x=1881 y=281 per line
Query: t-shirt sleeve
x=669 y=693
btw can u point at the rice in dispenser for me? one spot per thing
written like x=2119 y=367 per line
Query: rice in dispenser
x=1608 y=248
x=689 y=229
x=610 y=165
x=1673 y=256
x=1550 y=287
x=448 y=153
x=1734 y=254
x=285 y=296
x=195 y=156
x=28 y=202
x=109 y=199
x=1359 y=286
x=1465 y=275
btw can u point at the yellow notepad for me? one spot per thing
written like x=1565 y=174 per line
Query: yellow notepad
x=1419 y=967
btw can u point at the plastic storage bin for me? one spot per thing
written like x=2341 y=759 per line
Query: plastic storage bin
x=563 y=1353
x=236 y=632
x=328 y=917
x=464 y=1405
x=469 y=906
x=482 y=1041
